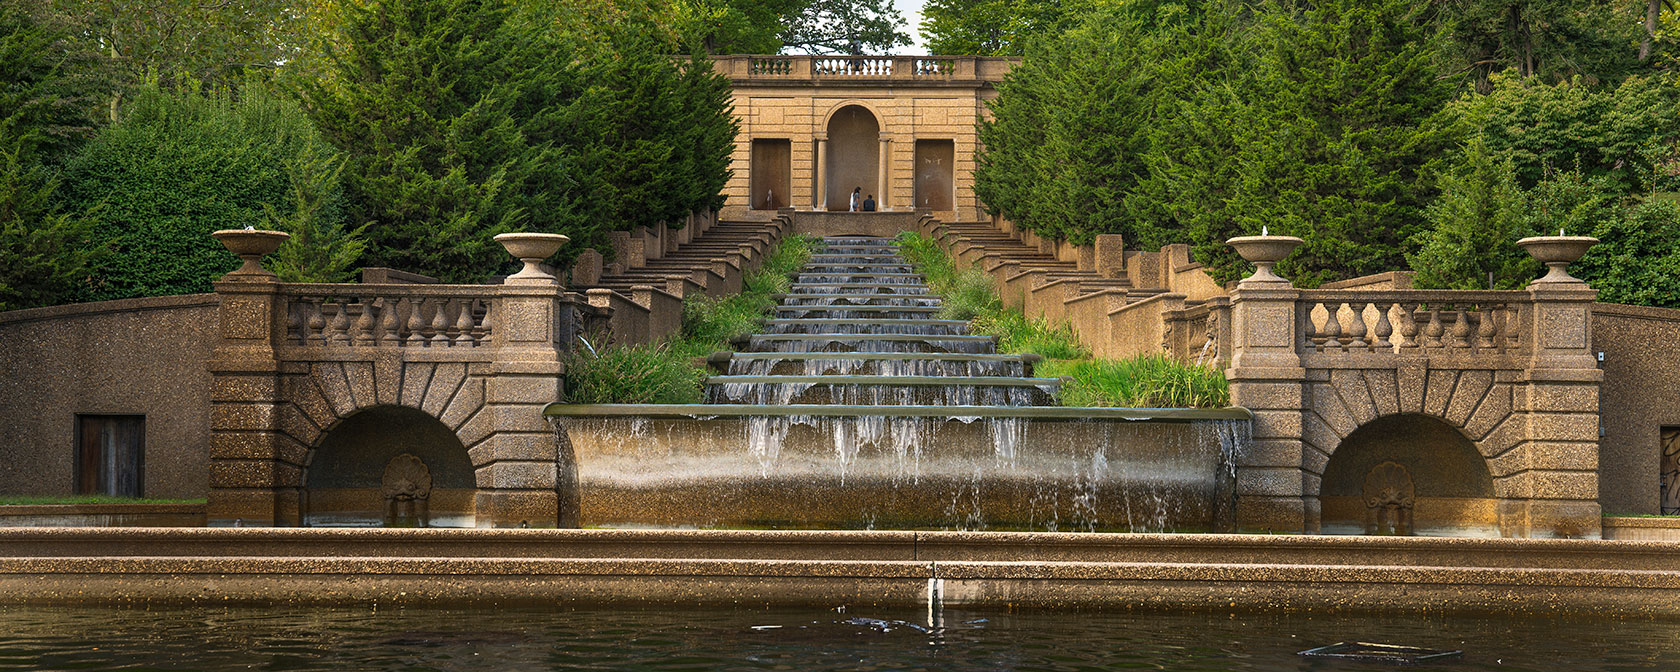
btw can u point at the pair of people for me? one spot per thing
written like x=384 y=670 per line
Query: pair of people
x=865 y=204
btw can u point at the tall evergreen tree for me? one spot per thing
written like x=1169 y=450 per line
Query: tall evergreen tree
x=447 y=109
x=1332 y=139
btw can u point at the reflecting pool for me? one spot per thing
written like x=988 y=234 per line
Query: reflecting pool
x=53 y=638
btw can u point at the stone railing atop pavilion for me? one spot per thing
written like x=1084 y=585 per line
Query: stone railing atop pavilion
x=1475 y=325
x=872 y=68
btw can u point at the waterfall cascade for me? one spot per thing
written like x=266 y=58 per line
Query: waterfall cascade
x=856 y=406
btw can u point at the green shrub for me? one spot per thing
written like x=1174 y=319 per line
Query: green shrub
x=180 y=165
x=1145 y=381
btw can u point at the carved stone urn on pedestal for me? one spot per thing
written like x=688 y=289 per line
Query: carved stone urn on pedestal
x=1557 y=253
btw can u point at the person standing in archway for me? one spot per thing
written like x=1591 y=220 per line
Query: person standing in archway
x=857 y=198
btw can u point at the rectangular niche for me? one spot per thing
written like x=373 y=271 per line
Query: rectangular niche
x=110 y=455
x=935 y=162
x=772 y=173
x=1668 y=482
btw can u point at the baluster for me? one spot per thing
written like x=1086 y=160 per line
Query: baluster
x=1408 y=326
x=388 y=323
x=1486 y=329
x=1461 y=329
x=484 y=325
x=1432 y=332
x=416 y=323
x=1513 y=327
x=464 y=324
x=362 y=333
x=1309 y=329
x=294 y=323
x=317 y=324
x=1356 y=329
x=440 y=325
x=1384 y=329
x=1332 y=325
x=336 y=330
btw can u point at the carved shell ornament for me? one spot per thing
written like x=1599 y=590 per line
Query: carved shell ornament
x=1389 y=484
x=406 y=477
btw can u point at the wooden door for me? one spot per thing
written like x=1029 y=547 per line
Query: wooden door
x=110 y=455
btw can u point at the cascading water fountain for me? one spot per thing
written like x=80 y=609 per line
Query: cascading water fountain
x=857 y=406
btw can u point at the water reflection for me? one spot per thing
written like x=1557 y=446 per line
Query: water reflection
x=38 y=638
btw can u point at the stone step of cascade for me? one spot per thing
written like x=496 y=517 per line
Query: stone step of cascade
x=872 y=363
x=907 y=322
x=870 y=343
x=836 y=326
x=855 y=296
x=810 y=274
x=854 y=390
x=852 y=311
x=857 y=288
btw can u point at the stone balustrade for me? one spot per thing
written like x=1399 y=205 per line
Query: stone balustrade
x=1402 y=322
x=400 y=316
x=850 y=68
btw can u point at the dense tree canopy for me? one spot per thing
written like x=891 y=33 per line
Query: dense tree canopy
x=1359 y=126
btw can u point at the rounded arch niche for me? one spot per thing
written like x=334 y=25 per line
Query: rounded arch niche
x=358 y=474
x=1399 y=457
x=854 y=155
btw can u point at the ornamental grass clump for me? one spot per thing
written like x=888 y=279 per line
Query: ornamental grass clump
x=1144 y=381
x=638 y=374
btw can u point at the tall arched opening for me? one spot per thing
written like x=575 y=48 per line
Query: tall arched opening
x=854 y=155
x=370 y=468
x=1412 y=471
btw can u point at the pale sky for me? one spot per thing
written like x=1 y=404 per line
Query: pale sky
x=911 y=10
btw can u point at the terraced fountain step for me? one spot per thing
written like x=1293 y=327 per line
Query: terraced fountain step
x=920 y=310
x=900 y=356
x=825 y=321
x=894 y=381
x=841 y=265
x=853 y=295
x=906 y=338
x=861 y=275
x=879 y=286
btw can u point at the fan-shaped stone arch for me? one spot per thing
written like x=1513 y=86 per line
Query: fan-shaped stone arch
x=1421 y=459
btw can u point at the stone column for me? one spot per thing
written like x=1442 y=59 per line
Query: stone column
x=885 y=174
x=1266 y=377
x=819 y=200
x=519 y=468
x=255 y=470
x=1548 y=481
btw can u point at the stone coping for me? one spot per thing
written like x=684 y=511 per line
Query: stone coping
x=971 y=569
x=114 y=306
x=97 y=509
x=702 y=411
x=1649 y=522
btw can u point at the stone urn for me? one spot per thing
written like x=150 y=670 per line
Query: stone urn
x=1557 y=253
x=1264 y=252
x=251 y=245
x=532 y=248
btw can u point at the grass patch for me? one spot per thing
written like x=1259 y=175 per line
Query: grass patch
x=674 y=372
x=64 y=500
x=970 y=295
x=1145 y=381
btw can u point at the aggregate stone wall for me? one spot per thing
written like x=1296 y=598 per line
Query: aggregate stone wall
x=130 y=357
x=1640 y=396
